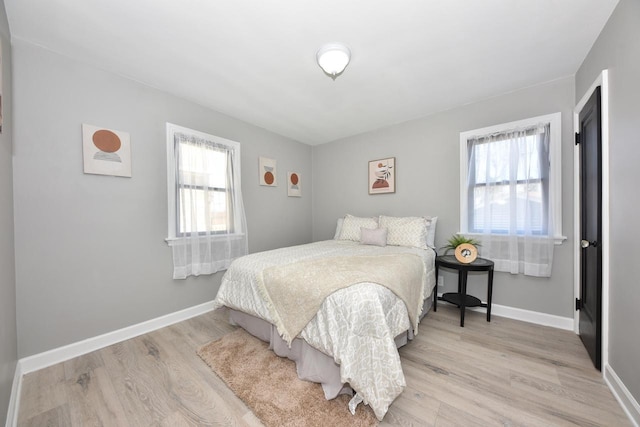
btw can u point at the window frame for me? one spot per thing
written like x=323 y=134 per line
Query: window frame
x=172 y=185
x=555 y=169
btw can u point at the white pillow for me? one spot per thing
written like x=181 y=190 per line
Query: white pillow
x=352 y=224
x=405 y=231
x=373 y=236
x=338 y=228
x=431 y=231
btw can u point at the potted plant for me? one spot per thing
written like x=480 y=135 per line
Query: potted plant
x=458 y=239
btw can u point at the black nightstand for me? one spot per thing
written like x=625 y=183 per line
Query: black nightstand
x=460 y=298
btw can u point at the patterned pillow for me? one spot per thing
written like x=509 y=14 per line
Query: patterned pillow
x=352 y=224
x=373 y=236
x=405 y=231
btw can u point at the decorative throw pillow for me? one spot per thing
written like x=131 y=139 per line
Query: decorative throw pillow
x=351 y=227
x=373 y=236
x=405 y=231
x=336 y=236
x=431 y=231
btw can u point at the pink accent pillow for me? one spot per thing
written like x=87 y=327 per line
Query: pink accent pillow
x=373 y=236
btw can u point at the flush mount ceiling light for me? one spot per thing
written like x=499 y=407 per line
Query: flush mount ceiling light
x=333 y=58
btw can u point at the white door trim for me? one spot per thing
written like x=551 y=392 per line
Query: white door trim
x=603 y=81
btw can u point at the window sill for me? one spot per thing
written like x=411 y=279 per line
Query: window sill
x=557 y=240
x=173 y=241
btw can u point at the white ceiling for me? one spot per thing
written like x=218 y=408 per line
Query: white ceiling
x=255 y=59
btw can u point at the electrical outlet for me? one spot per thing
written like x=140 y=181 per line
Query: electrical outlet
x=441 y=281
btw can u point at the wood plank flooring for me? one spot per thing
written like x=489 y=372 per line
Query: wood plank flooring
x=503 y=373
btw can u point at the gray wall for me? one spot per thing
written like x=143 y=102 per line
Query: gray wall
x=8 y=338
x=427 y=175
x=90 y=251
x=618 y=49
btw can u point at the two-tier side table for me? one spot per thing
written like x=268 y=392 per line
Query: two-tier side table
x=460 y=298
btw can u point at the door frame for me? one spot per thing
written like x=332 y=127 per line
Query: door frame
x=603 y=81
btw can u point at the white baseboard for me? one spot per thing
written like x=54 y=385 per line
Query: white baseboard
x=623 y=395
x=57 y=355
x=14 y=400
x=536 y=317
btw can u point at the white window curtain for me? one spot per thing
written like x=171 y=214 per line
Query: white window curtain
x=508 y=198
x=210 y=224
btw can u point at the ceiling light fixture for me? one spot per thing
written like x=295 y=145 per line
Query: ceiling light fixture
x=333 y=58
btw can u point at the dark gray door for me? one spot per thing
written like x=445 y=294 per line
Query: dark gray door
x=590 y=304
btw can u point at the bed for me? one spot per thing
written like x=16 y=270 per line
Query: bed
x=380 y=277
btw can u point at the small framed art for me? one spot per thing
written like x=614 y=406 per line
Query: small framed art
x=267 y=172
x=466 y=253
x=382 y=176
x=293 y=185
x=106 y=151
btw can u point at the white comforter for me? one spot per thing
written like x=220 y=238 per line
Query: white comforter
x=355 y=325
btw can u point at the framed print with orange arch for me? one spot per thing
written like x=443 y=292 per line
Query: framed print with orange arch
x=267 y=172
x=382 y=176
x=106 y=151
x=294 y=188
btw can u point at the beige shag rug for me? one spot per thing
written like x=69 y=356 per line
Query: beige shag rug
x=270 y=386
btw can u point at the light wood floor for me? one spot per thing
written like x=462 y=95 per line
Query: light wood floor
x=503 y=373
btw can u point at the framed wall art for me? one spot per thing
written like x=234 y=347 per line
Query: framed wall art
x=382 y=176
x=293 y=185
x=267 y=172
x=106 y=151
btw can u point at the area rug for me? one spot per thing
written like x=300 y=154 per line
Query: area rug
x=269 y=385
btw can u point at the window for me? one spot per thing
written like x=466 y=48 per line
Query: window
x=511 y=186
x=201 y=187
x=206 y=217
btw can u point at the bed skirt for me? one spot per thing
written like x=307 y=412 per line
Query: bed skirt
x=311 y=364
